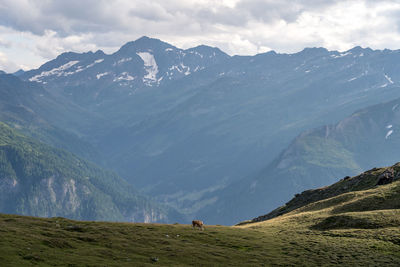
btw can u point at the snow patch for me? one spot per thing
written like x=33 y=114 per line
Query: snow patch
x=352 y=79
x=196 y=53
x=150 y=66
x=388 y=79
x=56 y=71
x=383 y=85
x=389 y=126
x=95 y=62
x=388 y=134
x=98 y=76
x=122 y=60
x=341 y=55
x=124 y=77
x=168 y=49
x=394 y=107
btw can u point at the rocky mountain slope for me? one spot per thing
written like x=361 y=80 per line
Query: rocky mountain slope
x=38 y=180
x=90 y=78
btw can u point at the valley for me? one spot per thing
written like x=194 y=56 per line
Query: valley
x=190 y=127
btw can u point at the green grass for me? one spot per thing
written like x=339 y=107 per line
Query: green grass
x=286 y=240
x=356 y=228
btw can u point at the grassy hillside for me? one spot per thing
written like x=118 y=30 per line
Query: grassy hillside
x=350 y=189
x=352 y=223
x=38 y=180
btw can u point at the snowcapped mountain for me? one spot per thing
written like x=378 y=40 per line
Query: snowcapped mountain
x=143 y=63
x=183 y=124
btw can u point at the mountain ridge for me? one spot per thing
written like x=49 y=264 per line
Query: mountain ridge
x=221 y=123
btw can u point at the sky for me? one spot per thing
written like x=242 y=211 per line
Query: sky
x=35 y=31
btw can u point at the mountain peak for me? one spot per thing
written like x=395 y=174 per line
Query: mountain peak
x=205 y=49
x=18 y=72
x=144 y=43
x=313 y=51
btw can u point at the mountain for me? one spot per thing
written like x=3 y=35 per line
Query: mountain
x=19 y=72
x=38 y=180
x=2 y=72
x=245 y=112
x=354 y=222
x=184 y=139
x=316 y=158
x=96 y=77
x=36 y=112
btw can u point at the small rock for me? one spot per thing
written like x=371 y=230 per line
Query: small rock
x=154 y=259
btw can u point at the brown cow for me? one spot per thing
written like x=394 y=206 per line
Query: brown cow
x=198 y=223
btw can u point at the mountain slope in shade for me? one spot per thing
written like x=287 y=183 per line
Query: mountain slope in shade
x=36 y=112
x=38 y=180
x=19 y=72
x=367 y=138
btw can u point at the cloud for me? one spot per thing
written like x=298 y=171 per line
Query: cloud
x=236 y=26
x=7 y=65
x=5 y=43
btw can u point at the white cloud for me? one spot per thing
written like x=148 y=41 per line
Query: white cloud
x=5 y=64
x=50 y=27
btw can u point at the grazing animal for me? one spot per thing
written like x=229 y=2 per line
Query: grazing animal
x=197 y=223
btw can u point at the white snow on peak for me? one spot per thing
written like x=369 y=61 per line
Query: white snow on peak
x=341 y=55
x=181 y=68
x=150 y=65
x=196 y=53
x=383 y=85
x=389 y=126
x=197 y=68
x=388 y=134
x=56 y=71
x=388 y=79
x=122 y=60
x=124 y=77
x=98 y=76
x=95 y=62
x=187 y=72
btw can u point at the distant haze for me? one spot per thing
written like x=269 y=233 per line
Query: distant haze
x=32 y=32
